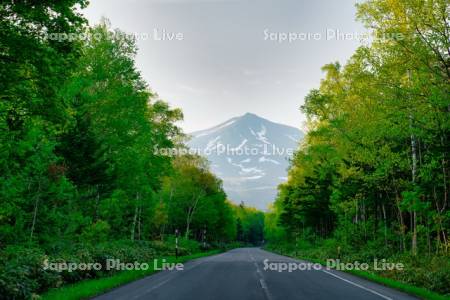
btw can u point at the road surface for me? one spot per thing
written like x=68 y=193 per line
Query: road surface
x=240 y=274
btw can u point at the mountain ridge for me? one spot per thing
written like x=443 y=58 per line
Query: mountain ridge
x=250 y=154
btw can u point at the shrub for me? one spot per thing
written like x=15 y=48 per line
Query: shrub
x=22 y=272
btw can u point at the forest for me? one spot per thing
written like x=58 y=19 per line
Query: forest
x=371 y=178
x=79 y=178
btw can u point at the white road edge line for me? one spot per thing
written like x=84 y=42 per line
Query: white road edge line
x=358 y=285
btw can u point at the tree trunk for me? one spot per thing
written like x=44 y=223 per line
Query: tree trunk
x=139 y=223
x=35 y=212
x=414 y=171
x=133 y=227
x=97 y=202
x=190 y=214
x=385 y=225
x=402 y=223
x=163 y=227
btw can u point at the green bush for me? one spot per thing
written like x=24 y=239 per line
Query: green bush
x=97 y=232
x=22 y=272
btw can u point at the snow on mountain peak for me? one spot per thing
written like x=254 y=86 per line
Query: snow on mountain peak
x=249 y=154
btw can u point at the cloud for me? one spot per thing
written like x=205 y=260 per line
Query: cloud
x=191 y=89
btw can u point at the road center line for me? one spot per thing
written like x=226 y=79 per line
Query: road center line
x=172 y=275
x=261 y=279
x=265 y=289
x=358 y=285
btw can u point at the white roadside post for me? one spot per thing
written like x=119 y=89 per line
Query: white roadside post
x=204 y=238
x=176 y=243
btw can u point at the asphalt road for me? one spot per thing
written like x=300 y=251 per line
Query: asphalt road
x=240 y=274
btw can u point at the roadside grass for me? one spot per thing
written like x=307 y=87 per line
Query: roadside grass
x=94 y=287
x=407 y=288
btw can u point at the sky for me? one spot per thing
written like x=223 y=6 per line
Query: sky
x=217 y=59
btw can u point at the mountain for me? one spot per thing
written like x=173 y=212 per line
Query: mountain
x=250 y=154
